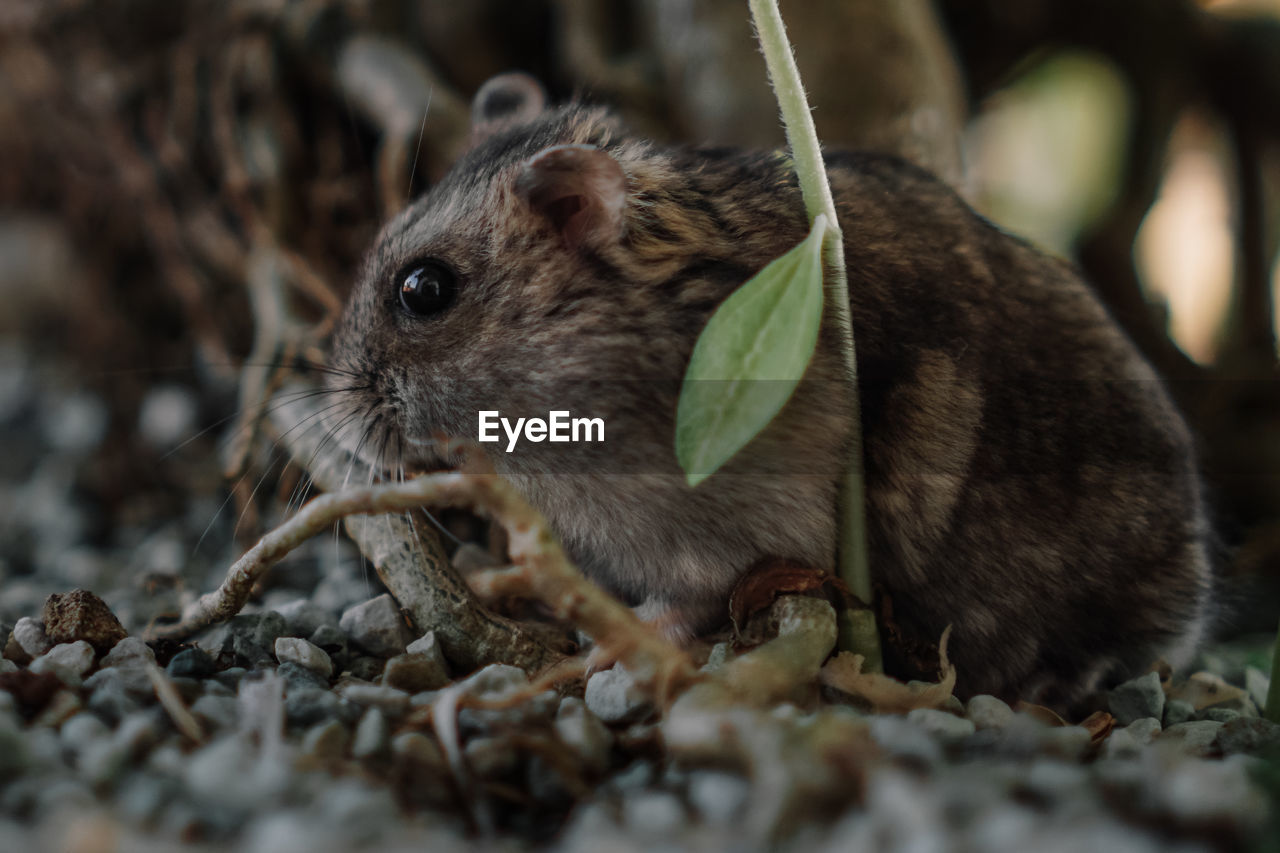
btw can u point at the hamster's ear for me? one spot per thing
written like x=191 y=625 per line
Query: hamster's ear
x=505 y=101
x=580 y=189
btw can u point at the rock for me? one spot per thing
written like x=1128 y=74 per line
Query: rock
x=390 y=701
x=1178 y=711
x=416 y=672
x=81 y=730
x=584 y=734
x=297 y=677
x=1194 y=738
x=247 y=638
x=139 y=732
x=1250 y=735
x=304 y=654
x=653 y=814
x=988 y=712
x=127 y=652
x=333 y=640
x=31 y=637
x=720 y=797
x=310 y=706
x=614 y=697
x=81 y=615
x=941 y=724
x=109 y=697
x=1213 y=793
x=68 y=661
x=720 y=654
x=7 y=665
x=1219 y=715
x=133 y=680
x=1240 y=704
x=492 y=758
x=1129 y=740
x=303 y=617
x=417 y=748
x=166 y=416
x=1137 y=698
x=902 y=739
x=366 y=667
x=327 y=740
x=102 y=762
x=219 y=712
x=377 y=626
x=372 y=736
x=143 y=796
x=1257 y=684
x=194 y=662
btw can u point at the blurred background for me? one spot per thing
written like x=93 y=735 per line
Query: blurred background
x=187 y=187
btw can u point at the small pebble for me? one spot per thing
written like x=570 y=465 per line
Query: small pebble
x=68 y=661
x=81 y=615
x=988 y=712
x=415 y=672
x=390 y=701
x=1251 y=735
x=372 y=736
x=584 y=733
x=941 y=724
x=1197 y=737
x=304 y=617
x=1178 y=711
x=297 y=677
x=30 y=636
x=377 y=626
x=130 y=650
x=653 y=814
x=327 y=740
x=492 y=757
x=305 y=654
x=1137 y=698
x=614 y=697
x=719 y=797
x=194 y=662
x=219 y=712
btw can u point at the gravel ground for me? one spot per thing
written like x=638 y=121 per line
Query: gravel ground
x=316 y=721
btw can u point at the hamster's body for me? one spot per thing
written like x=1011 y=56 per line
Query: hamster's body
x=1028 y=480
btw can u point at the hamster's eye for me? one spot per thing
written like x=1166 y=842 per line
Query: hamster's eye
x=427 y=289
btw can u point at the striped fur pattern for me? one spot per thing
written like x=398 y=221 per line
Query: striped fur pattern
x=1028 y=479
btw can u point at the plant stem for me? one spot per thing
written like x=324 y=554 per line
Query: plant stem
x=858 y=630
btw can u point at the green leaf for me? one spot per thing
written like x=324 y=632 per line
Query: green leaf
x=749 y=358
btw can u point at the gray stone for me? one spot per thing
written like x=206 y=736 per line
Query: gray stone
x=1055 y=779
x=230 y=677
x=311 y=706
x=377 y=626
x=7 y=666
x=720 y=798
x=303 y=617
x=581 y=731
x=298 y=677
x=218 y=712
x=83 y=729
x=194 y=662
x=1257 y=683
x=415 y=672
x=1209 y=793
x=334 y=641
x=495 y=681
x=1250 y=735
x=366 y=667
x=941 y=724
x=130 y=651
x=902 y=739
x=64 y=797
x=1197 y=737
x=390 y=701
x=1178 y=711
x=305 y=654
x=68 y=661
x=143 y=796
x=109 y=696
x=1137 y=698
x=139 y=732
x=1069 y=743
x=417 y=748
x=614 y=697
x=29 y=634
x=327 y=740
x=653 y=814
x=1219 y=715
x=372 y=736
x=102 y=762
x=229 y=774
x=492 y=757
x=988 y=712
x=720 y=655
x=1241 y=704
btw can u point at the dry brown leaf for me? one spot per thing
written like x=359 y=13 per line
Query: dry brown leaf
x=1203 y=689
x=884 y=694
x=773 y=577
x=1045 y=715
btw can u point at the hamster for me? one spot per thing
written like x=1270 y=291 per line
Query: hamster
x=1028 y=480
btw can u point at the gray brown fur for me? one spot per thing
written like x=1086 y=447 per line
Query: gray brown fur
x=1028 y=479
